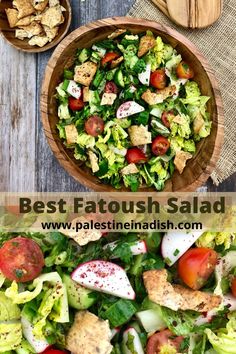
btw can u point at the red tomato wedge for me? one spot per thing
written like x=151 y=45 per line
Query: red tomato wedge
x=21 y=259
x=75 y=104
x=94 y=126
x=135 y=155
x=233 y=287
x=196 y=265
x=164 y=117
x=184 y=71
x=159 y=339
x=158 y=79
x=109 y=57
x=54 y=351
x=110 y=87
x=160 y=145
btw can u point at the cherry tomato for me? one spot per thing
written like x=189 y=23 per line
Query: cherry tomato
x=21 y=259
x=54 y=351
x=75 y=104
x=159 y=339
x=135 y=155
x=233 y=287
x=111 y=87
x=160 y=145
x=158 y=79
x=164 y=117
x=184 y=71
x=196 y=265
x=94 y=126
x=109 y=57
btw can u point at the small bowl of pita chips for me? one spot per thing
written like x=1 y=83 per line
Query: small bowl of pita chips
x=34 y=25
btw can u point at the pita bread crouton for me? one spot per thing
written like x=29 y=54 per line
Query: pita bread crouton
x=82 y=237
x=179 y=120
x=86 y=94
x=89 y=334
x=71 y=134
x=129 y=169
x=139 y=135
x=116 y=62
x=40 y=5
x=84 y=73
x=51 y=33
x=180 y=160
x=33 y=29
x=40 y=41
x=24 y=7
x=158 y=97
x=93 y=161
x=53 y=3
x=116 y=33
x=177 y=297
x=198 y=123
x=146 y=43
x=25 y=21
x=52 y=17
x=12 y=16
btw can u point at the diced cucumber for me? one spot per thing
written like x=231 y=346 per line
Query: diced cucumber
x=151 y=320
x=79 y=297
x=95 y=57
x=119 y=78
x=110 y=74
x=98 y=78
x=156 y=112
x=84 y=55
x=159 y=127
x=131 y=342
x=101 y=51
x=120 y=312
x=65 y=84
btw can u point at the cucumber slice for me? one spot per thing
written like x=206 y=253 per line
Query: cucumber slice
x=151 y=320
x=119 y=78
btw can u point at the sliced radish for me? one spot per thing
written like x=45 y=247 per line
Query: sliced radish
x=105 y=277
x=128 y=109
x=137 y=345
x=114 y=331
x=121 y=152
x=144 y=77
x=74 y=90
x=138 y=247
x=39 y=345
x=229 y=301
x=175 y=244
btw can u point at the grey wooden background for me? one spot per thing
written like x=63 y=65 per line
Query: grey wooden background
x=26 y=161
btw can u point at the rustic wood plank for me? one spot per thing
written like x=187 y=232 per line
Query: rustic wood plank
x=17 y=117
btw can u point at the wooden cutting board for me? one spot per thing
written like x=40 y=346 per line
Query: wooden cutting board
x=191 y=13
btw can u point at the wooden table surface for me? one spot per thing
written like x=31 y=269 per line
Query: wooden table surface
x=26 y=161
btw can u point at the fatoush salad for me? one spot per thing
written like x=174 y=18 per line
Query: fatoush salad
x=89 y=292
x=129 y=108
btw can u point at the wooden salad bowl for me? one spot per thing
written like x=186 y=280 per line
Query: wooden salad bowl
x=9 y=33
x=199 y=168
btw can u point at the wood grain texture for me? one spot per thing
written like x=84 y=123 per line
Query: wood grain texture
x=162 y=5
x=199 y=168
x=195 y=13
x=9 y=33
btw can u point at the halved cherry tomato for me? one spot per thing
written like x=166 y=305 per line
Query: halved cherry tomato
x=110 y=87
x=135 y=155
x=76 y=104
x=164 y=117
x=196 y=265
x=158 y=340
x=184 y=71
x=158 y=79
x=160 y=145
x=233 y=287
x=94 y=126
x=21 y=259
x=109 y=57
x=54 y=351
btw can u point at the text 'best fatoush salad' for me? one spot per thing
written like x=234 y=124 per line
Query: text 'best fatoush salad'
x=118 y=293
x=130 y=110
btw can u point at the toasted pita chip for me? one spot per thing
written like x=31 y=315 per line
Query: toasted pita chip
x=24 y=7
x=117 y=33
x=52 y=17
x=40 y=41
x=40 y=5
x=53 y=3
x=51 y=33
x=12 y=16
x=34 y=29
x=21 y=34
x=26 y=21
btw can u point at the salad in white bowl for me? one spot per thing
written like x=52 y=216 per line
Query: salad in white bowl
x=130 y=110
x=120 y=294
